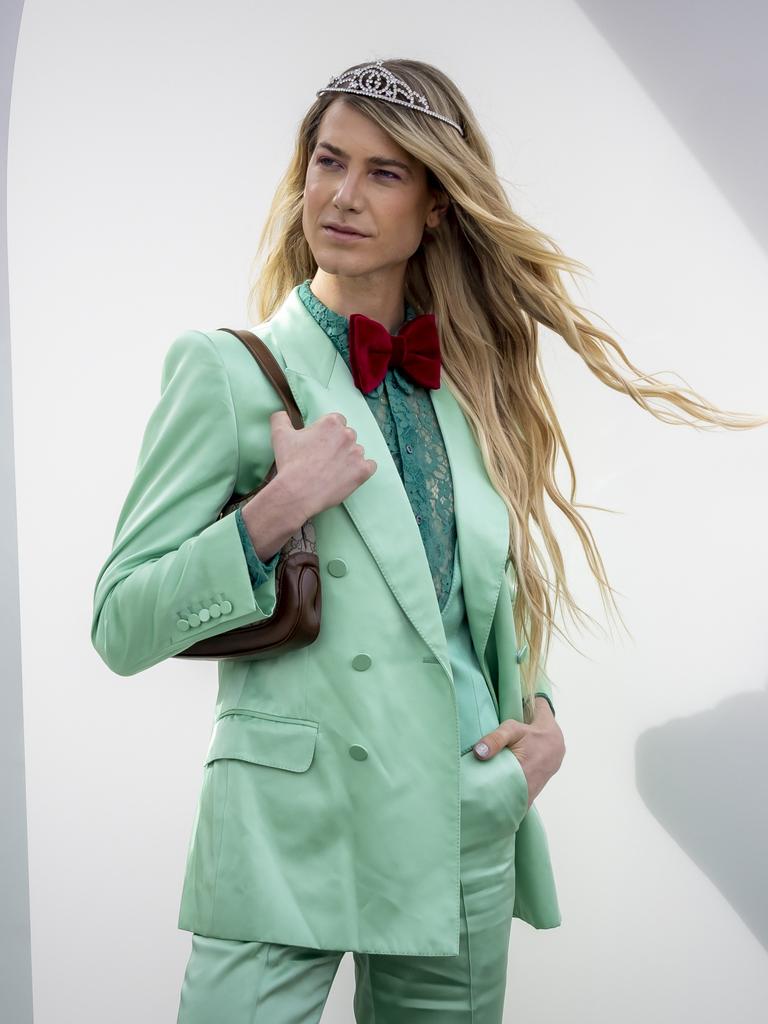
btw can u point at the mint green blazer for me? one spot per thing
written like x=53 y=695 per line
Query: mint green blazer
x=329 y=807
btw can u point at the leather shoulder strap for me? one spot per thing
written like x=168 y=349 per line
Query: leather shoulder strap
x=274 y=371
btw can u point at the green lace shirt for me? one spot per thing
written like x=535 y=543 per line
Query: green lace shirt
x=407 y=419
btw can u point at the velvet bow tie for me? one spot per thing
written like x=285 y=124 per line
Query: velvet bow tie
x=372 y=350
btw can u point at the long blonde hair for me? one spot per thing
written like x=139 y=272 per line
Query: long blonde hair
x=490 y=278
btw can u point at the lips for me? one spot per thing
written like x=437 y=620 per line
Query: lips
x=349 y=232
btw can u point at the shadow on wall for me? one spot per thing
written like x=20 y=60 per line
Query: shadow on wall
x=706 y=71
x=705 y=780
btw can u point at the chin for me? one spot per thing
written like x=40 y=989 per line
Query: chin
x=333 y=262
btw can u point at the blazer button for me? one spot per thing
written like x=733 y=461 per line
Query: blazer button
x=226 y=607
x=204 y=614
x=361 y=661
x=359 y=753
x=337 y=567
x=194 y=620
x=215 y=610
x=182 y=624
x=522 y=653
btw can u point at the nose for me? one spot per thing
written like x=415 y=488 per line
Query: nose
x=348 y=193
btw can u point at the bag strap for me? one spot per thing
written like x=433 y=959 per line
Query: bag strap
x=263 y=356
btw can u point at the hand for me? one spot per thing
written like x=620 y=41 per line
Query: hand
x=319 y=465
x=538 y=746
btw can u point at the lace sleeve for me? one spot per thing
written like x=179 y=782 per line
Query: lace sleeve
x=258 y=570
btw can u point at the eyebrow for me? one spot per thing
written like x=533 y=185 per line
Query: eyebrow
x=379 y=161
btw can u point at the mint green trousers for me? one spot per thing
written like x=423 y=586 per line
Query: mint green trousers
x=233 y=982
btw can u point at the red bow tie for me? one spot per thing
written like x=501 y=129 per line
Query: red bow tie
x=372 y=350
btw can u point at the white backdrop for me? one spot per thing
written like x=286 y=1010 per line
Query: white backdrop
x=145 y=144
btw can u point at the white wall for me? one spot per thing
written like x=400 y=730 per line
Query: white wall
x=145 y=144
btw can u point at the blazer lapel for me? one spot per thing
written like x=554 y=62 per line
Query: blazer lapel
x=321 y=382
x=482 y=521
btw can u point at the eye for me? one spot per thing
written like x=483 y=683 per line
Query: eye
x=381 y=170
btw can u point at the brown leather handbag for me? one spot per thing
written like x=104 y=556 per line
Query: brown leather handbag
x=295 y=621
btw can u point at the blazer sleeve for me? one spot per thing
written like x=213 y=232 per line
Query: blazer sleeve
x=546 y=694
x=543 y=683
x=177 y=573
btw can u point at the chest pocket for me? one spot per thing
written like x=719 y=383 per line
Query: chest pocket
x=276 y=741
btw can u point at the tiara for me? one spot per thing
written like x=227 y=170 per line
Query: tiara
x=377 y=81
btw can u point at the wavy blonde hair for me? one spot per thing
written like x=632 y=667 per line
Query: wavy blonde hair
x=490 y=278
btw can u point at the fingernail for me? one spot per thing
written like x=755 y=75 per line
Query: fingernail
x=482 y=749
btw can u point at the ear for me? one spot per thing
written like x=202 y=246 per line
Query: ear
x=440 y=204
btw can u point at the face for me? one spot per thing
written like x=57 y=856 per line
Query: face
x=359 y=177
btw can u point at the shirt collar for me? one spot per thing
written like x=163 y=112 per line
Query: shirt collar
x=336 y=326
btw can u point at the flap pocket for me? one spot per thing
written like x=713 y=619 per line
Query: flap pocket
x=261 y=738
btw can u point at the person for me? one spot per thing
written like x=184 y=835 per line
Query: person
x=372 y=792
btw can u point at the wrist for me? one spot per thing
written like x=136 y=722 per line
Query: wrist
x=543 y=708
x=271 y=517
x=287 y=494
x=545 y=722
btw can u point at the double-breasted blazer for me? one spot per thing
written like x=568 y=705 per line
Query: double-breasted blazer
x=329 y=809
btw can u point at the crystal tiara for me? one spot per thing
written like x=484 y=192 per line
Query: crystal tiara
x=379 y=82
